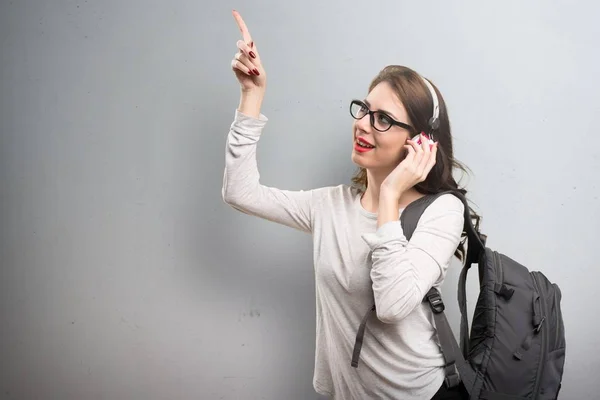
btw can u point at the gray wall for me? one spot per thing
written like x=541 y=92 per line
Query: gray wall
x=123 y=273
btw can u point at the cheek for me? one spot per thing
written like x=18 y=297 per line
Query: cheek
x=390 y=154
x=394 y=148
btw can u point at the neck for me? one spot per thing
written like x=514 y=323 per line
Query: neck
x=370 y=199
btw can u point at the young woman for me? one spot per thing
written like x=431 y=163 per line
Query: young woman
x=361 y=255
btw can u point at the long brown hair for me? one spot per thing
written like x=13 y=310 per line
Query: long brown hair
x=416 y=98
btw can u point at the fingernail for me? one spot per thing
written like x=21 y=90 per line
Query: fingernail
x=256 y=71
x=252 y=54
x=251 y=44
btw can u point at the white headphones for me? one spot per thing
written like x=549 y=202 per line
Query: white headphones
x=434 y=121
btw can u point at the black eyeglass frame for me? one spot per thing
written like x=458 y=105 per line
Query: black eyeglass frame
x=372 y=118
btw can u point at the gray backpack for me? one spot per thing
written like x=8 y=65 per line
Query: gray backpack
x=516 y=349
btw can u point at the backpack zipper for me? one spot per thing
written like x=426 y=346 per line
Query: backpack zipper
x=544 y=329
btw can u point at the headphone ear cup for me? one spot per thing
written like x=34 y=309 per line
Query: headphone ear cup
x=434 y=123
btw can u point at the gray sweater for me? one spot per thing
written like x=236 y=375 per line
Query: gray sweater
x=355 y=265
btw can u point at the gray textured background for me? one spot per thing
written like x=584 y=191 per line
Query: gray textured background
x=123 y=273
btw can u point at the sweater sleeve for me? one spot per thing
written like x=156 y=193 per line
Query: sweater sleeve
x=402 y=271
x=242 y=189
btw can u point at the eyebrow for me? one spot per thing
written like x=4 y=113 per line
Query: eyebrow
x=384 y=111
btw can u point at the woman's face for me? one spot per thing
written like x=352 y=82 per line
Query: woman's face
x=374 y=150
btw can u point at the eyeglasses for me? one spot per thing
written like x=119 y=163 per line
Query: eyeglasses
x=379 y=119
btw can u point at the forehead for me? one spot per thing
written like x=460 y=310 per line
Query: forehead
x=384 y=98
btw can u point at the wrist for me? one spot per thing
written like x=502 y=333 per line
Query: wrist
x=254 y=93
x=251 y=102
x=388 y=207
x=388 y=195
x=387 y=211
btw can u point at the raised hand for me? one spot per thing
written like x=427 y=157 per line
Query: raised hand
x=246 y=63
x=414 y=169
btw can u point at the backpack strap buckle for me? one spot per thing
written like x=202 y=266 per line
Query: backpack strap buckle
x=435 y=301
x=452 y=378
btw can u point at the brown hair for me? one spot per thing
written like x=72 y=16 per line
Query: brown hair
x=417 y=101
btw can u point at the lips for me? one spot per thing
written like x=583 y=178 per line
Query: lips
x=364 y=142
x=361 y=145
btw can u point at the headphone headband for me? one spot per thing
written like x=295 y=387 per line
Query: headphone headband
x=434 y=121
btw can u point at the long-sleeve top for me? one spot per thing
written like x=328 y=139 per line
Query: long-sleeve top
x=356 y=265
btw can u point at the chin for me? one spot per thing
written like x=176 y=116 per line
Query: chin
x=356 y=159
x=371 y=164
x=360 y=161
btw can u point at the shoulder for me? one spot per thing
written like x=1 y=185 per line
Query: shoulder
x=446 y=203
x=335 y=194
x=340 y=197
x=447 y=209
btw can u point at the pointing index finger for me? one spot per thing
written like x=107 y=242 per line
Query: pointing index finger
x=242 y=25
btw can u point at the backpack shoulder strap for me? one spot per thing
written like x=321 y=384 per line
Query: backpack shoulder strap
x=476 y=245
x=456 y=369
x=412 y=213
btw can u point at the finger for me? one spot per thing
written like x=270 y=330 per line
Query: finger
x=425 y=143
x=423 y=139
x=410 y=155
x=419 y=152
x=250 y=52
x=236 y=65
x=415 y=152
x=242 y=25
x=425 y=151
x=242 y=58
x=412 y=143
x=431 y=162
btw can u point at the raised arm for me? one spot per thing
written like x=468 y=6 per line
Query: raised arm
x=241 y=182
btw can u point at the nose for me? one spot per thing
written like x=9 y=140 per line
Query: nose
x=364 y=124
